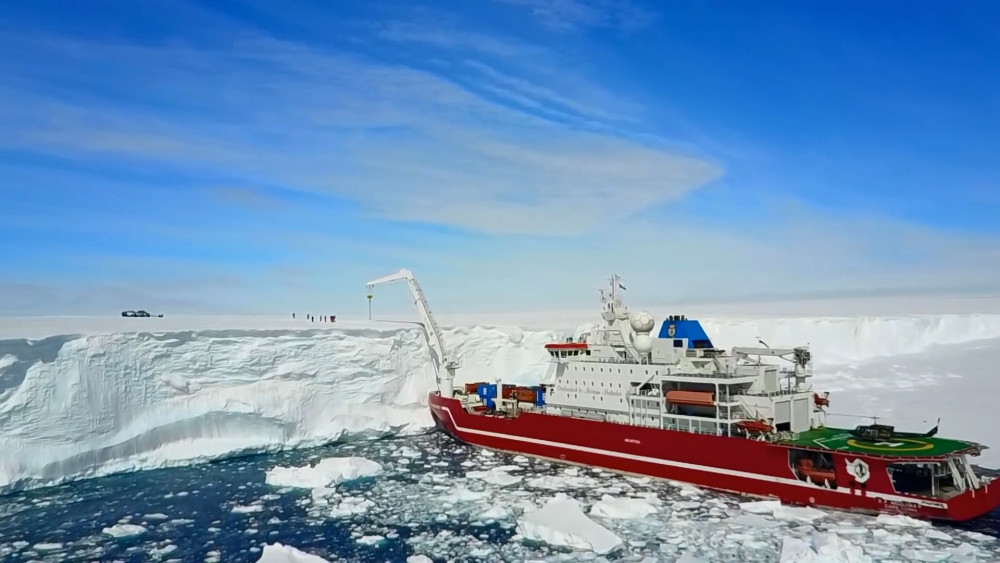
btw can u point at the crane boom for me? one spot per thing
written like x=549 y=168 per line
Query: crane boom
x=444 y=364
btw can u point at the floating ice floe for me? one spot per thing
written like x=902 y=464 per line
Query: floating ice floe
x=350 y=506
x=328 y=472
x=495 y=476
x=783 y=512
x=822 y=548
x=899 y=520
x=124 y=530
x=622 y=508
x=561 y=522
x=247 y=509
x=278 y=553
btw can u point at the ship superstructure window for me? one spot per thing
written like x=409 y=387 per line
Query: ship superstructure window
x=931 y=479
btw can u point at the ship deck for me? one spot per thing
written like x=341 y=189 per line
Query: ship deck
x=841 y=440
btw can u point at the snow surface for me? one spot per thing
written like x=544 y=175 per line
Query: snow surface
x=95 y=396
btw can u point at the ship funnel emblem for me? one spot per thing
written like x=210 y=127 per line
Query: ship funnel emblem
x=671 y=330
x=859 y=470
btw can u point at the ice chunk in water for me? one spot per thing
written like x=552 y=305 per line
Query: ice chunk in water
x=278 y=553
x=622 y=508
x=327 y=473
x=561 y=522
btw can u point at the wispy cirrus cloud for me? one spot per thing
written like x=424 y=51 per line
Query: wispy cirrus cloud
x=403 y=142
x=450 y=38
x=303 y=163
x=571 y=15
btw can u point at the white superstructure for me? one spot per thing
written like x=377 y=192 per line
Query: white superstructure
x=678 y=380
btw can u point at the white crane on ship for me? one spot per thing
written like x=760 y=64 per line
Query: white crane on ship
x=444 y=364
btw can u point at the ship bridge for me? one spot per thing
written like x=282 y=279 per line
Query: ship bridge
x=679 y=328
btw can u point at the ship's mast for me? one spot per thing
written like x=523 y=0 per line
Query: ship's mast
x=613 y=308
x=444 y=365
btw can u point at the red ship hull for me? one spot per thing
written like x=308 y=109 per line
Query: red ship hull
x=728 y=464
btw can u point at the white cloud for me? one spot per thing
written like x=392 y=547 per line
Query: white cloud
x=566 y=15
x=556 y=182
x=450 y=38
x=404 y=142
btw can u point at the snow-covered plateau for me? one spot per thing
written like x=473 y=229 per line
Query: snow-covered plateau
x=110 y=398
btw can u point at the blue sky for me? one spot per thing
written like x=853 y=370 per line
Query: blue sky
x=262 y=156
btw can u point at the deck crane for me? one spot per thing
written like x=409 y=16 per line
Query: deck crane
x=444 y=364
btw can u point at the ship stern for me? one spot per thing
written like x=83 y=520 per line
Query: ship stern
x=975 y=503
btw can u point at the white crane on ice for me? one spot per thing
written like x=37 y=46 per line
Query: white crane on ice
x=444 y=364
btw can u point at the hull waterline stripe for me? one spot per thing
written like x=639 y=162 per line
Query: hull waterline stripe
x=683 y=465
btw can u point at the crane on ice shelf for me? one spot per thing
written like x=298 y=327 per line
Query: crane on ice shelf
x=444 y=365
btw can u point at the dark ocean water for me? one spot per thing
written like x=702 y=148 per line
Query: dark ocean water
x=197 y=520
x=188 y=513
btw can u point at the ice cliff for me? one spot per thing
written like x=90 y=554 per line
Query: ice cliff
x=82 y=405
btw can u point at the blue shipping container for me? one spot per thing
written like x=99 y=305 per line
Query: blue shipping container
x=488 y=392
x=539 y=396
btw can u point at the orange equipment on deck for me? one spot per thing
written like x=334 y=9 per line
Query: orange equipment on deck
x=807 y=469
x=526 y=394
x=691 y=398
x=755 y=426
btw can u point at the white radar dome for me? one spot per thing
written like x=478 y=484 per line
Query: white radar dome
x=642 y=321
x=643 y=343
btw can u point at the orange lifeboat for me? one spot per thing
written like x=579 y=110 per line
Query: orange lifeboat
x=755 y=426
x=473 y=388
x=821 y=401
x=807 y=469
x=691 y=398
